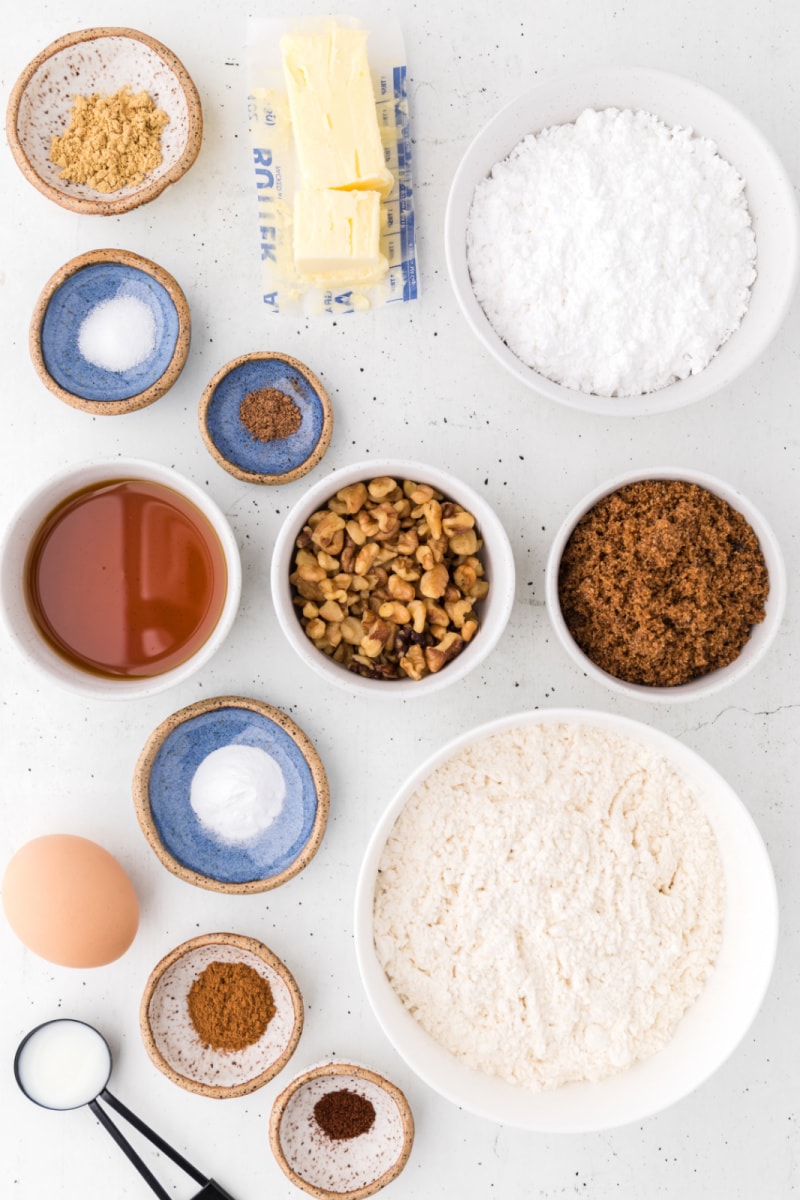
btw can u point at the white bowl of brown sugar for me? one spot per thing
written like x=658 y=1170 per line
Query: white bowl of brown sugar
x=665 y=584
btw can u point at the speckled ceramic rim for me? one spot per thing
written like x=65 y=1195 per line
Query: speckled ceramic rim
x=141 y=794
x=254 y=476
x=333 y=1069
x=762 y=635
x=123 y=258
x=148 y=192
x=251 y=946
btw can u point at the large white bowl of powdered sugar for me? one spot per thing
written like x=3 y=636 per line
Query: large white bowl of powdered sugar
x=565 y=921
x=623 y=240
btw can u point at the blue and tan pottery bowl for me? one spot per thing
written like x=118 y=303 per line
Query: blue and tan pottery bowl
x=101 y=61
x=234 y=447
x=66 y=301
x=162 y=788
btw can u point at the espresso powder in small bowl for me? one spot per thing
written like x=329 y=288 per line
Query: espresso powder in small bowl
x=341 y=1130
x=661 y=582
x=344 y=1114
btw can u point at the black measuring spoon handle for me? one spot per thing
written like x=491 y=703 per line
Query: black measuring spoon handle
x=153 y=1137
x=128 y=1150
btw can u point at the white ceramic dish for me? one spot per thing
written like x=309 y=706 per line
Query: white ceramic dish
x=760 y=639
x=708 y=1033
x=677 y=101
x=13 y=553
x=494 y=611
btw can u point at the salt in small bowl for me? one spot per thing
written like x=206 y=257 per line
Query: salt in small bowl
x=71 y=295
x=340 y=1168
x=172 y=1041
x=101 y=60
x=162 y=789
x=234 y=447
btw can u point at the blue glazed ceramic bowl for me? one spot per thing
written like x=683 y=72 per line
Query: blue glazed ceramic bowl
x=233 y=445
x=162 y=787
x=69 y=298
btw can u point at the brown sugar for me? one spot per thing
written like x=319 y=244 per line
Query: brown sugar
x=268 y=414
x=111 y=141
x=661 y=582
x=230 y=1005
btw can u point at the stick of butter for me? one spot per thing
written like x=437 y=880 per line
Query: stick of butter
x=337 y=236
x=332 y=107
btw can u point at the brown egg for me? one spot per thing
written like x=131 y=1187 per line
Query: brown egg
x=70 y=901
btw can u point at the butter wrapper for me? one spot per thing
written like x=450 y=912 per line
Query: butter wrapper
x=276 y=172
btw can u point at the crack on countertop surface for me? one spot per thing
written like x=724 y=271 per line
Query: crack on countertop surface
x=759 y=712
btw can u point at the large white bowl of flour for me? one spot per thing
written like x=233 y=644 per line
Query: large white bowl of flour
x=677 y=102
x=708 y=1032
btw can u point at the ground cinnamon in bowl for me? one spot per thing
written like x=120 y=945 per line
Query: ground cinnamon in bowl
x=661 y=582
x=230 y=1005
x=268 y=414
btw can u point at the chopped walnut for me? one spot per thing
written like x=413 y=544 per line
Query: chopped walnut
x=386 y=578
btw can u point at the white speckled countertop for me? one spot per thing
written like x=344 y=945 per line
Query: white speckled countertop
x=409 y=381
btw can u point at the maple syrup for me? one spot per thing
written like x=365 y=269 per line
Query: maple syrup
x=126 y=578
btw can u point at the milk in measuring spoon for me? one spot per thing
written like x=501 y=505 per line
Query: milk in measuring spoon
x=63 y=1064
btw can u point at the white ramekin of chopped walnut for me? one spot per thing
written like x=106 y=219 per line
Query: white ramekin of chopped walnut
x=392 y=577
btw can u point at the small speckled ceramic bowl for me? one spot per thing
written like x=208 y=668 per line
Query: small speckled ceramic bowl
x=101 y=61
x=172 y=1041
x=336 y=1168
x=230 y=442
x=162 y=795
x=71 y=295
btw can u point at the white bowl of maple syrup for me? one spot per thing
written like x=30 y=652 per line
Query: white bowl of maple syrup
x=119 y=579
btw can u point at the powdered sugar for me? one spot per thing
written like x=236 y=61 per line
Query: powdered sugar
x=613 y=255
x=549 y=903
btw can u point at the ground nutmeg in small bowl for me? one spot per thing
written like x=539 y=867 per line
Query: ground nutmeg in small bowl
x=661 y=582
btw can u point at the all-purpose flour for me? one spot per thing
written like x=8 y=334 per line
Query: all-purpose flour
x=613 y=255
x=549 y=904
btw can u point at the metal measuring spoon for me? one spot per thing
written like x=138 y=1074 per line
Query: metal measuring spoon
x=66 y=1064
